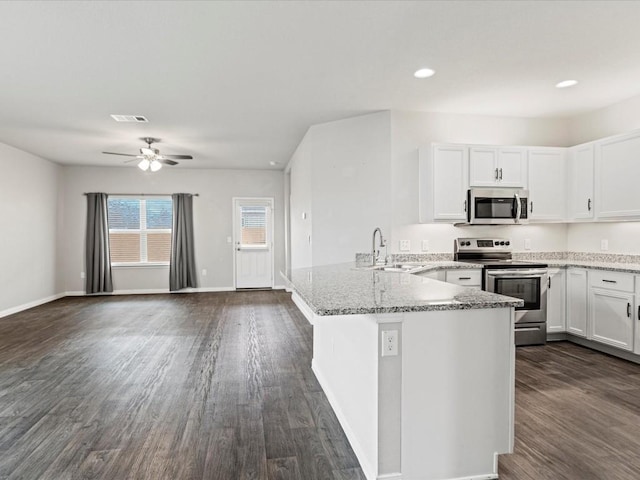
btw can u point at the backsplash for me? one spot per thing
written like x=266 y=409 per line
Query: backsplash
x=365 y=258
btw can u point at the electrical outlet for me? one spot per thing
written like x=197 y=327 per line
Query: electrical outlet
x=81 y=274
x=204 y=272
x=604 y=244
x=425 y=245
x=405 y=245
x=527 y=244
x=228 y=239
x=389 y=343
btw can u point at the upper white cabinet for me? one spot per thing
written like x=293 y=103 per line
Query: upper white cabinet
x=497 y=166
x=444 y=183
x=617 y=173
x=580 y=182
x=547 y=177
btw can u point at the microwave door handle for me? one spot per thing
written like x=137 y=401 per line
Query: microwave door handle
x=518 y=207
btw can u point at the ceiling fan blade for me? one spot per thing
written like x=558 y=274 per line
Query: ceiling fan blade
x=166 y=161
x=138 y=157
x=178 y=157
x=123 y=154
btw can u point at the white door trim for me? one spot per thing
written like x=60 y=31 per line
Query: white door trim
x=237 y=201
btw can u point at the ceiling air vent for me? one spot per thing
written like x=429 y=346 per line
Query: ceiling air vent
x=130 y=118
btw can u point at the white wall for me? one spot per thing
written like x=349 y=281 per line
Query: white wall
x=411 y=130
x=340 y=179
x=212 y=219
x=29 y=188
x=617 y=118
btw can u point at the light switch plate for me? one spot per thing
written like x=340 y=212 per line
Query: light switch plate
x=425 y=245
x=604 y=244
x=527 y=244
x=405 y=245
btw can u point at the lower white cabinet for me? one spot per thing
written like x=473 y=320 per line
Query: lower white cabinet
x=556 y=293
x=465 y=278
x=637 y=317
x=612 y=306
x=577 y=299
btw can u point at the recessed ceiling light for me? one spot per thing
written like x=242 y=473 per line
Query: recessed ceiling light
x=273 y=164
x=424 y=73
x=566 y=83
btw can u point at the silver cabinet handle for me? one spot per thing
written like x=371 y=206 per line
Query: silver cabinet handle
x=609 y=281
x=589 y=204
x=531 y=209
x=518 y=208
x=549 y=282
x=496 y=174
x=629 y=310
x=465 y=205
x=500 y=174
x=464 y=278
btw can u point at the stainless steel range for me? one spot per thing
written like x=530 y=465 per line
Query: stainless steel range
x=519 y=279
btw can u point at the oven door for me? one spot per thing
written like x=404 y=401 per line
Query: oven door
x=529 y=285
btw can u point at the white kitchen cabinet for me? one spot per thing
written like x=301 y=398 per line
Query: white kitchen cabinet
x=497 y=166
x=444 y=183
x=556 y=293
x=577 y=299
x=617 y=174
x=636 y=348
x=547 y=180
x=465 y=277
x=580 y=182
x=611 y=308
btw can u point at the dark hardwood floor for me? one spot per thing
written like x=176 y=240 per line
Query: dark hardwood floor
x=219 y=386
x=577 y=416
x=180 y=387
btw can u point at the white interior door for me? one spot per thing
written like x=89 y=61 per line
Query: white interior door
x=253 y=242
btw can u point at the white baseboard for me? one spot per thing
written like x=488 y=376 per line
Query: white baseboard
x=369 y=470
x=26 y=306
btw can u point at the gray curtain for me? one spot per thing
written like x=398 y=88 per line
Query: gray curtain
x=98 y=261
x=182 y=269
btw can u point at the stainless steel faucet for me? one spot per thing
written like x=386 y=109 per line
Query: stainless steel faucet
x=376 y=253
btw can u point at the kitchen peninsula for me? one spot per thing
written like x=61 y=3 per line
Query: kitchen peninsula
x=419 y=372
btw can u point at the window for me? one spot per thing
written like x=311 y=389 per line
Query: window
x=253 y=232
x=140 y=230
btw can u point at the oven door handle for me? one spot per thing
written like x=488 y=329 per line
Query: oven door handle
x=516 y=273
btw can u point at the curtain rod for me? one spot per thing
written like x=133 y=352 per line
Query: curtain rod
x=145 y=194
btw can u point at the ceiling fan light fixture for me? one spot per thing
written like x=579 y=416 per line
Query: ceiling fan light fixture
x=144 y=164
x=155 y=165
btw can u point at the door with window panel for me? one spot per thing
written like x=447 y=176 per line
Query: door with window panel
x=253 y=243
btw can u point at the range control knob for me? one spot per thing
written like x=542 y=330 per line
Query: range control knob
x=497 y=243
x=507 y=243
x=501 y=243
x=468 y=244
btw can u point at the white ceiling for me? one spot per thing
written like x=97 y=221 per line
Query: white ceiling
x=237 y=84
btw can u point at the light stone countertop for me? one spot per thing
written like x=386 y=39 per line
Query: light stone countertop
x=344 y=289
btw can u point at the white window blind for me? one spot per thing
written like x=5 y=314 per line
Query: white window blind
x=140 y=230
x=254 y=226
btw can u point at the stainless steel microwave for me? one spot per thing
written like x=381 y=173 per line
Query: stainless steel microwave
x=497 y=206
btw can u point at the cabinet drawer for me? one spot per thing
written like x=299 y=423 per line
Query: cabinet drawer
x=622 y=282
x=466 y=278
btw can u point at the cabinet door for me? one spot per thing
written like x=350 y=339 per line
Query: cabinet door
x=483 y=166
x=447 y=183
x=636 y=349
x=465 y=278
x=577 y=301
x=612 y=318
x=547 y=192
x=512 y=167
x=580 y=182
x=618 y=171
x=556 y=293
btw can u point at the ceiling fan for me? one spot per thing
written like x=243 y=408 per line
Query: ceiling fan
x=150 y=158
